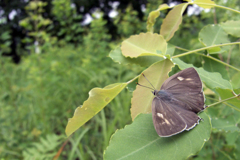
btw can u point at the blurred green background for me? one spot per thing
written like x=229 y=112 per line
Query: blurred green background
x=50 y=58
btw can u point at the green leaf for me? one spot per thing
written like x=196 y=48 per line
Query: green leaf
x=98 y=99
x=45 y=149
x=211 y=79
x=232 y=27
x=232 y=137
x=227 y=123
x=170 y=49
x=235 y=81
x=145 y=61
x=237 y=152
x=142 y=97
x=172 y=21
x=213 y=66
x=225 y=117
x=132 y=86
x=211 y=35
x=227 y=93
x=144 y=44
x=140 y=141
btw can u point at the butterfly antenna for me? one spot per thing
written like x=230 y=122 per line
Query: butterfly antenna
x=144 y=86
x=148 y=81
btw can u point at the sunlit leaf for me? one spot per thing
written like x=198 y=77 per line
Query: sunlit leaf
x=212 y=35
x=153 y=16
x=98 y=99
x=142 y=97
x=232 y=27
x=117 y=56
x=172 y=21
x=144 y=44
x=140 y=141
x=207 y=4
x=211 y=79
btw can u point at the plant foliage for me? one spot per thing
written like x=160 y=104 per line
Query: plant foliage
x=138 y=140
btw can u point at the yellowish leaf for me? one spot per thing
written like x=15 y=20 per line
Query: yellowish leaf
x=142 y=97
x=144 y=44
x=98 y=99
x=207 y=4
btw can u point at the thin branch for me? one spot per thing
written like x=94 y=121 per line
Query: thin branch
x=224 y=100
x=218 y=6
x=205 y=48
x=215 y=59
x=229 y=54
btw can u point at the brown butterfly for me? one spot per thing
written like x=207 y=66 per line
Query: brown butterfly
x=176 y=104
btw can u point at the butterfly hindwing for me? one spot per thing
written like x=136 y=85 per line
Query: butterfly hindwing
x=190 y=118
x=166 y=120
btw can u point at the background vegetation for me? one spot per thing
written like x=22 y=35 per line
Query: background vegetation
x=49 y=61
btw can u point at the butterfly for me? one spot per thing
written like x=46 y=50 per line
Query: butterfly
x=176 y=104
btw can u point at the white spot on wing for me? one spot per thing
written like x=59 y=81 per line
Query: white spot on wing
x=180 y=78
x=167 y=121
x=160 y=115
x=172 y=121
x=188 y=79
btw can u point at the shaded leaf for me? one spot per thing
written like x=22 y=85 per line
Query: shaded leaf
x=117 y=56
x=232 y=27
x=170 y=49
x=235 y=81
x=140 y=141
x=142 y=97
x=237 y=153
x=211 y=79
x=232 y=137
x=228 y=123
x=98 y=99
x=211 y=35
x=172 y=21
x=227 y=93
x=213 y=66
x=132 y=86
x=225 y=116
x=144 y=44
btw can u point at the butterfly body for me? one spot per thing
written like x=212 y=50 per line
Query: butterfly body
x=162 y=95
x=176 y=104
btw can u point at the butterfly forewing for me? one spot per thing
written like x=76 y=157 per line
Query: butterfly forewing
x=186 y=78
x=166 y=120
x=191 y=102
x=186 y=89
